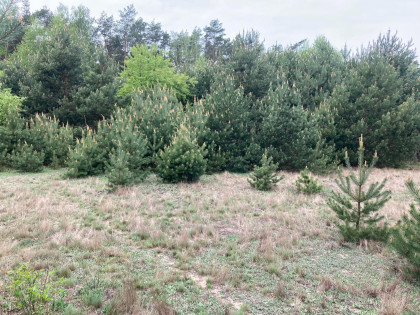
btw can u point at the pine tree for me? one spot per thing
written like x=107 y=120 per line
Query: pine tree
x=358 y=209
x=264 y=177
x=47 y=135
x=371 y=99
x=228 y=123
x=405 y=237
x=288 y=131
x=215 y=45
x=26 y=159
x=307 y=184
x=86 y=158
x=158 y=114
x=58 y=72
x=183 y=160
x=117 y=169
x=121 y=137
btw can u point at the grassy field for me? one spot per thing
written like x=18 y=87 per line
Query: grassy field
x=213 y=247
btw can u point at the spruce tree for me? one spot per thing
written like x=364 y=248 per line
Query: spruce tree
x=357 y=209
x=405 y=237
x=264 y=177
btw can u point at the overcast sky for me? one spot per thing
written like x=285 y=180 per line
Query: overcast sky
x=351 y=22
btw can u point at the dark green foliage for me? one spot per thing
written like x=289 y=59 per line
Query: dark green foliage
x=215 y=43
x=289 y=132
x=307 y=184
x=204 y=71
x=26 y=159
x=51 y=138
x=158 y=114
x=11 y=134
x=227 y=123
x=183 y=160
x=86 y=158
x=371 y=99
x=251 y=67
x=117 y=169
x=319 y=69
x=356 y=209
x=405 y=237
x=3 y=159
x=59 y=72
x=264 y=177
x=128 y=149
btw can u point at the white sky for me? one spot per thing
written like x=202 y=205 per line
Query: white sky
x=354 y=22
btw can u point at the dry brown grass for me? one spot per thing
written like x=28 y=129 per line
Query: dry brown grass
x=43 y=222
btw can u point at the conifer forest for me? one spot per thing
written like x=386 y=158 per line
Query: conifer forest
x=147 y=171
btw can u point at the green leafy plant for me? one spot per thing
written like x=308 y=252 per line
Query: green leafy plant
x=10 y=105
x=34 y=292
x=26 y=159
x=405 y=237
x=92 y=292
x=307 y=184
x=264 y=177
x=358 y=209
x=147 y=67
x=183 y=160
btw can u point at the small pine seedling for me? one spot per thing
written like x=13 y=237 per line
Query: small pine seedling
x=264 y=177
x=307 y=184
x=358 y=209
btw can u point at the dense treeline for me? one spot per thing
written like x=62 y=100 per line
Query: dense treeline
x=114 y=88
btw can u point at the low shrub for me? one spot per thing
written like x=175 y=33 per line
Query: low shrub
x=34 y=292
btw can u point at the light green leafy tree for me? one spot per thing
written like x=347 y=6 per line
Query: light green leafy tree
x=146 y=67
